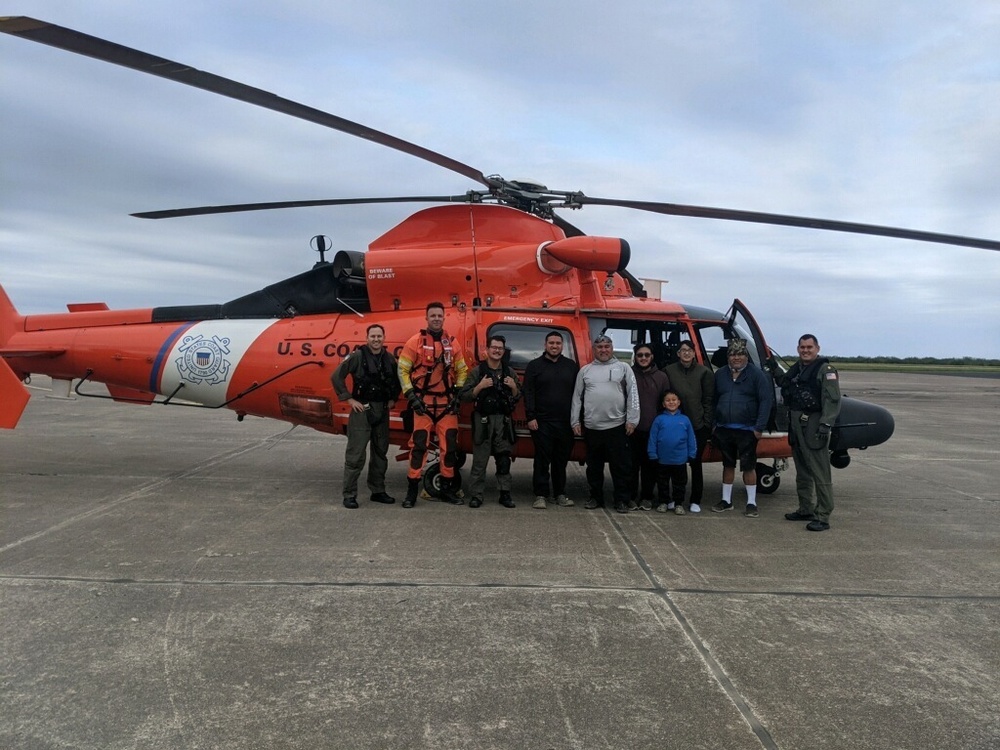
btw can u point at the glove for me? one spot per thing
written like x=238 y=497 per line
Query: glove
x=416 y=403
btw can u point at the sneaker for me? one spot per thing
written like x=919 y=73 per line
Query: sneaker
x=661 y=508
x=751 y=512
x=630 y=505
x=721 y=507
x=670 y=506
x=539 y=503
x=564 y=502
x=679 y=510
x=646 y=505
x=817 y=525
x=593 y=504
x=695 y=508
x=621 y=507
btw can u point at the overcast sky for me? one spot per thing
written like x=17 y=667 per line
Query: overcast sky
x=879 y=112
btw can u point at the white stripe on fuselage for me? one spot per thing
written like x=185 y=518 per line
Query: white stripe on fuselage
x=206 y=356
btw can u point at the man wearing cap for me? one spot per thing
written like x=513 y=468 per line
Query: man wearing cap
x=695 y=385
x=742 y=405
x=605 y=410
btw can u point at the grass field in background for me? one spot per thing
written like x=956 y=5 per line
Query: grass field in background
x=928 y=369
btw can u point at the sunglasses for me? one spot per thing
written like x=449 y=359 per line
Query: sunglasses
x=643 y=356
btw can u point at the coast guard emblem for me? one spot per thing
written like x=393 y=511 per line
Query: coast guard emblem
x=203 y=360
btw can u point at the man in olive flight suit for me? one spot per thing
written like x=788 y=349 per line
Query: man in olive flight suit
x=374 y=387
x=811 y=392
x=494 y=388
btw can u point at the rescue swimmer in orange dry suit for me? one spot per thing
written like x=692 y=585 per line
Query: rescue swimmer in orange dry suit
x=432 y=370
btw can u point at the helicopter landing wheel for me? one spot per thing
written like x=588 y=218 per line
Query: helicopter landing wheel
x=767 y=479
x=433 y=479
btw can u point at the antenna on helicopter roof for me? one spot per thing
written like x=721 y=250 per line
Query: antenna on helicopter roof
x=320 y=243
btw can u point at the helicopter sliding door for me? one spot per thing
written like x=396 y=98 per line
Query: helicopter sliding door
x=743 y=325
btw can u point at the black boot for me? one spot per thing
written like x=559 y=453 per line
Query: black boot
x=506 y=500
x=448 y=492
x=412 y=487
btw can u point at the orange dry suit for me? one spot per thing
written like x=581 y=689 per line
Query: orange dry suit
x=432 y=368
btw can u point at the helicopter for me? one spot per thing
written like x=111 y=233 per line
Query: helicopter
x=500 y=257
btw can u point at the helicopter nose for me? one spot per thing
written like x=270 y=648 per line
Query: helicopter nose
x=860 y=425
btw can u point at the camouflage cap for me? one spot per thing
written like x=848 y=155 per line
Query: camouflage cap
x=737 y=347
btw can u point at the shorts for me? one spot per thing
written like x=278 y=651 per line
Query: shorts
x=733 y=444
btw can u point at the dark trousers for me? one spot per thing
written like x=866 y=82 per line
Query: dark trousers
x=363 y=436
x=553 y=444
x=643 y=476
x=611 y=447
x=672 y=480
x=701 y=436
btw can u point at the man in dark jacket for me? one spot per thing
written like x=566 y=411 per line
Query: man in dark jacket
x=548 y=392
x=652 y=385
x=743 y=400
x=695 y=385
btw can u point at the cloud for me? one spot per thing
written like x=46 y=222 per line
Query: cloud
x=881 y=113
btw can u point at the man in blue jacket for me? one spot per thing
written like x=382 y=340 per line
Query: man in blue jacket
x=743 y=400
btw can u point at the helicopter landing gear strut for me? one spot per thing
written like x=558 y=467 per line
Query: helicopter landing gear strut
x=768 y=478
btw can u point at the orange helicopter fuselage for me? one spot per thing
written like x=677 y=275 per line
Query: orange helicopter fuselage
x=494 y=268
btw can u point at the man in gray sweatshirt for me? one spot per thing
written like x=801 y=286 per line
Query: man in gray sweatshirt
x=605 y=410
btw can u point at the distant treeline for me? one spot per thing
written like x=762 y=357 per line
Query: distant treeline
x=952 y=361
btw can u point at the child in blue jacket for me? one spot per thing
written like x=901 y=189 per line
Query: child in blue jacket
x=672 y=444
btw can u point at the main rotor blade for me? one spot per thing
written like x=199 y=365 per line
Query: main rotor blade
x=756 y=217
x=100 y=49
x=470 y=197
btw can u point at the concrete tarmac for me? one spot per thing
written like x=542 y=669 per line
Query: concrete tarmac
x=170 y=578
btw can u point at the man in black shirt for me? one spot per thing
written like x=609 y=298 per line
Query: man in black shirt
x=548 y=393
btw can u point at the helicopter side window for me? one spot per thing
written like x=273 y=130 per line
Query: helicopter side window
x=663 y=337
x=526 y=343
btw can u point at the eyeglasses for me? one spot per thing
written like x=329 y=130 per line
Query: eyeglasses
x=643 y=356
x=497 y=348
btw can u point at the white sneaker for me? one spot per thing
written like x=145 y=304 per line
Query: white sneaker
x=670 y=506
x=695 y=508
x=539 y=503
